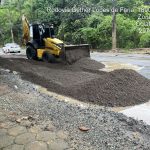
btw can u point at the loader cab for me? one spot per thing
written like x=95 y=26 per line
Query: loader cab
x=49 y=31
x=40 y=31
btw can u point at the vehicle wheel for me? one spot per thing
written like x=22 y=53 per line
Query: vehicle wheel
x=31 y=53
x=48 y=58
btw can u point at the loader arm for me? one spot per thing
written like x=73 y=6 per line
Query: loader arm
x=26 y=29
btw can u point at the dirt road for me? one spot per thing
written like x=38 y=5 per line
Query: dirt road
x=84 y=81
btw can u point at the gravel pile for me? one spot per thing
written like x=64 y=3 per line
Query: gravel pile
x=88 y=64
x=117 y=88
x=107 y=130
x=84 y=81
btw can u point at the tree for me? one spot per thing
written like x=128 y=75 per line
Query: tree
x=97 y=29
x=10 y=16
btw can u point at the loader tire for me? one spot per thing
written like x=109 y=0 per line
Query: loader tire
x=31 y=53
x=48 y=58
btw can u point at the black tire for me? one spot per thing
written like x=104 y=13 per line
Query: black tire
x=31 y=53
x=48 y=58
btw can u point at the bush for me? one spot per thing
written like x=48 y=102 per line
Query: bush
x=127 y=32
x=90 y=36
x=145 y=40
x=104 y=33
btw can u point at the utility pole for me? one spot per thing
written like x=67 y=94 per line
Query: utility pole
x=114 y=27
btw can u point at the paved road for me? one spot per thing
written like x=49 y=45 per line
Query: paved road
x=142 y=61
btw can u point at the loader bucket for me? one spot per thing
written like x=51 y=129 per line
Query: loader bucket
x=72 y=53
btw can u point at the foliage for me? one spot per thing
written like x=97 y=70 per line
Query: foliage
x=145 y=40
x=94 y=28
x=128 y=36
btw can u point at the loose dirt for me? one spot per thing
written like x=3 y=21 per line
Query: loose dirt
x=36 y=111
x=84 y=81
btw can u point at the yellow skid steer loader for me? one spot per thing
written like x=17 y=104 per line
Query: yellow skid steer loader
x=41 y=44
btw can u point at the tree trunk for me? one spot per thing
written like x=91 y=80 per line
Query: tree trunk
x=11 y=25
x=2 y=39
x=12 y=35
x=114 y=26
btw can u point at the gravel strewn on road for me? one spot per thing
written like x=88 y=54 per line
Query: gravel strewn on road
x=108 y=130
x=84 y=81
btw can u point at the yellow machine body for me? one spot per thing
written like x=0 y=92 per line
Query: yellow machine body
x=50 y=47
x=40 y=40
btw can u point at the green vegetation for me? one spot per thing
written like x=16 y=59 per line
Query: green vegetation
x=88 y=26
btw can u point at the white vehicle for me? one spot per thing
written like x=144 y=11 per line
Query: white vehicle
x=11 y=48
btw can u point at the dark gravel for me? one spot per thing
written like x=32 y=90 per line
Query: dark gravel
x=117 y=88
x=84 y=81
x=108 y=130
